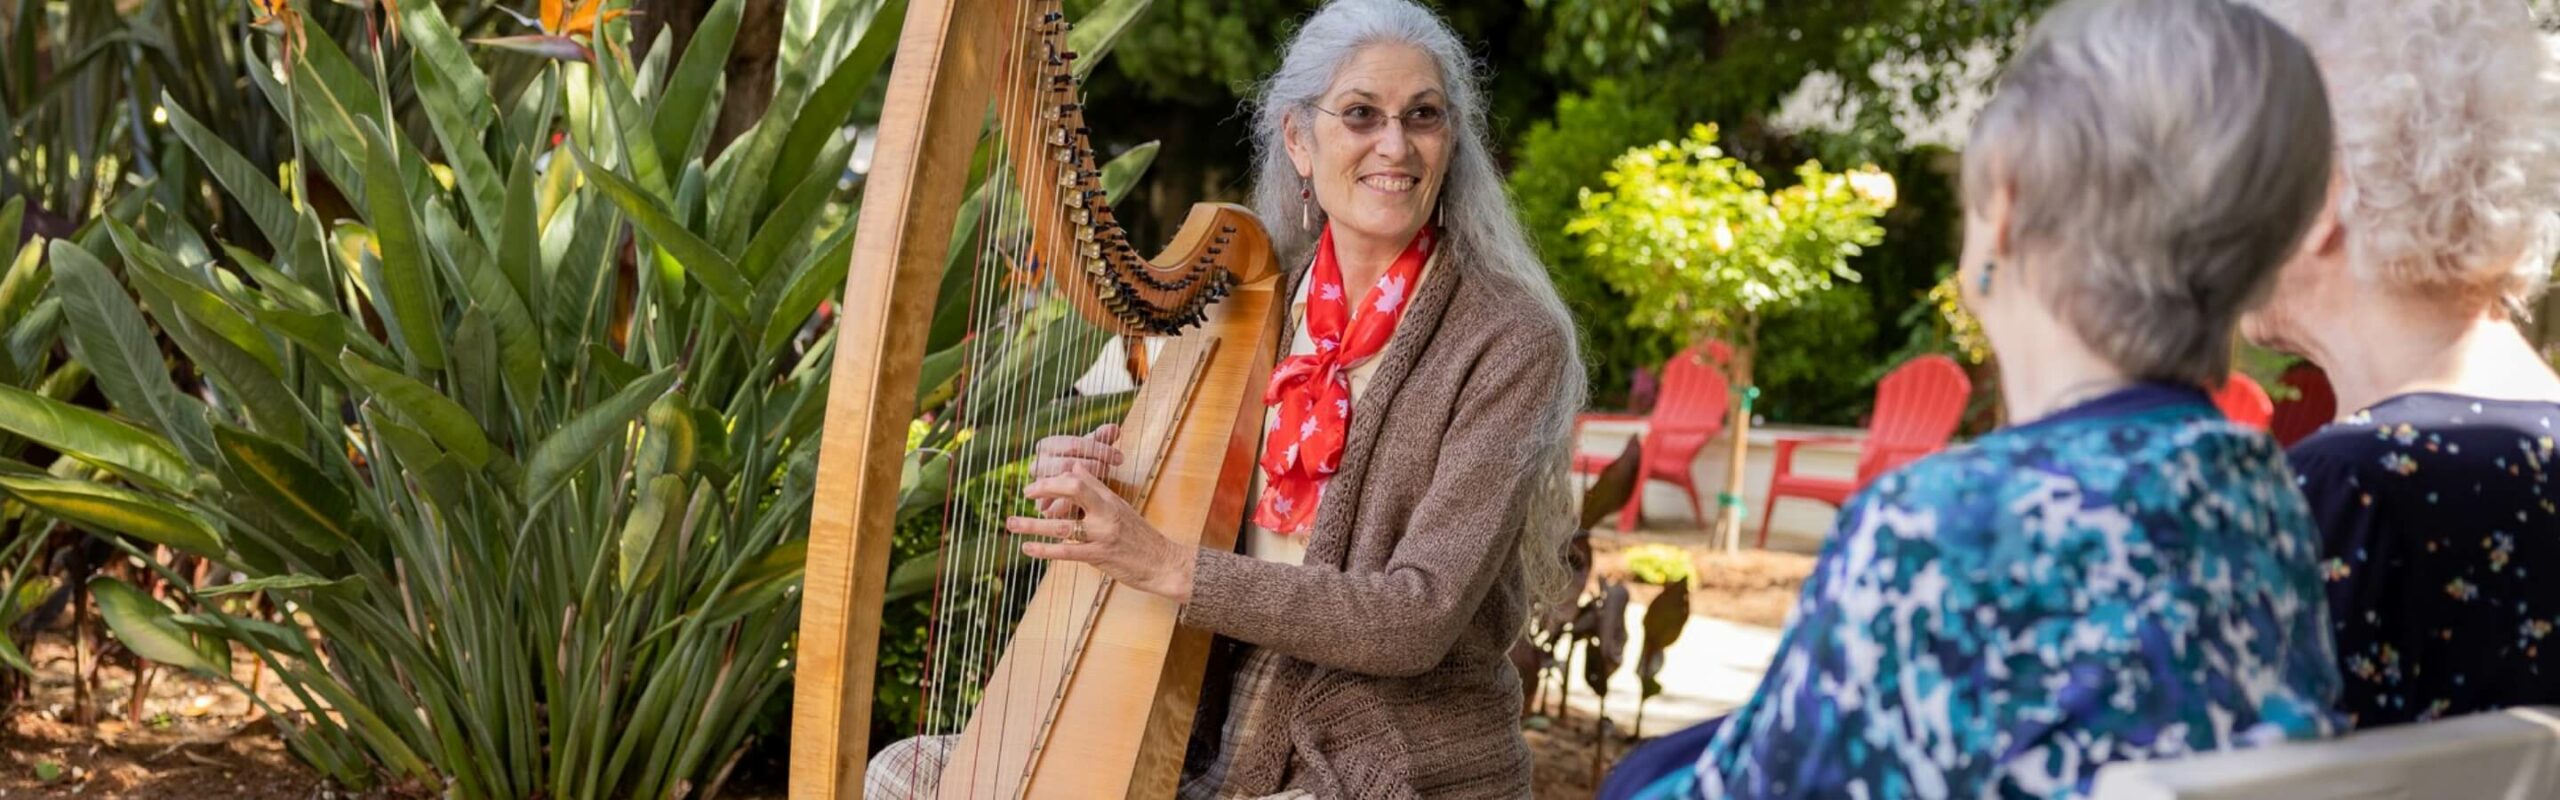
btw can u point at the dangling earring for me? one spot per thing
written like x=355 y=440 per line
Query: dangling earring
x=1307 y=204
x=1983 y=286
x=1436 y=216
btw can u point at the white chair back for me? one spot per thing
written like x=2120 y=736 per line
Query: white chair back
x=2507 y=755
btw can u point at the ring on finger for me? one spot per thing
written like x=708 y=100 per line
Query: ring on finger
x=1076 y=534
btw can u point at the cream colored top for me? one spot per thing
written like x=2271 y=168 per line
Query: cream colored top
x=1263 y=543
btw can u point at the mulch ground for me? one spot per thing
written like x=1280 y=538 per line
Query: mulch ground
x=195 y=739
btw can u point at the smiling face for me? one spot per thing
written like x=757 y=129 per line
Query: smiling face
x=1381 y=183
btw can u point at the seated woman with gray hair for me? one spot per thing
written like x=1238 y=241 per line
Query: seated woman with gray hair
x=2125 y=574
x=2434 y=495
x=1412 y=499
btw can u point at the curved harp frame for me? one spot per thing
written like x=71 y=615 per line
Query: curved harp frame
x=956 y=59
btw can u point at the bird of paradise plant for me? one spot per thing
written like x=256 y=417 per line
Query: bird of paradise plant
x=563 y=26
x=529 y=451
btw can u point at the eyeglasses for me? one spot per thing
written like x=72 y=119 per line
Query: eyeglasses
x=1364 y=119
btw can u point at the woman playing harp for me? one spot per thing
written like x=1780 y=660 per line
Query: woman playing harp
x=1410 y=498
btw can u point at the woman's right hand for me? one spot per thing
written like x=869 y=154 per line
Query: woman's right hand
x=1091 y=454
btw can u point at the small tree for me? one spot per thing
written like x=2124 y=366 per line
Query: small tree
x=1705 y=249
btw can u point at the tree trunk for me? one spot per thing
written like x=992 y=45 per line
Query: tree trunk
x=1729 y=517
x=752 y=56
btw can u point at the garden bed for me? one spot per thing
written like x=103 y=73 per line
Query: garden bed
x=197 y=740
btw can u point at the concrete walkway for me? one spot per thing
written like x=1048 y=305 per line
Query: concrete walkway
x=1717 y=663
x=1709 y=672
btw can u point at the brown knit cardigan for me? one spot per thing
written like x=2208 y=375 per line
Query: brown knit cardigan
x=1395 y=680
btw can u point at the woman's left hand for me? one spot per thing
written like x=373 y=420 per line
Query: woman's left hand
x=1111 y=536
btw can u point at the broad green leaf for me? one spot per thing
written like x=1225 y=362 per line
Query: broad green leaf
x=9 y=654
x=198 y=304
x=145 y=626
x=1101 y=28
x=818 y=277
x=279 y=286
x=320 y=514
x=24 y=282
x=437 y=414
x=939 y=377
x=423 y=464
x=132 y=453
x=256 y=633
x=322 y=334
x=759 y=586
x=686 y=104
x=224 y=345
x=107 y=510
x=951 y=309
x=567 y=450
x=332 y=135
x=821 y=118
x=917 y=575
x=700 y=259
x=556 y=48
x=519 y=253
x=412 y=304
x=277 y=583
x=745 y=166
x=13 y=217
x=254 y=188
x=1123 y=172
x=30 y=343
x=612 y=372
x=672 y=439
x=474 y=377
x=108 y=334
x=630 y=124
x=456 y=97
x=650 y=530
x=519 y=339
x=795 y=219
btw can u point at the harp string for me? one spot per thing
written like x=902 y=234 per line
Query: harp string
x=949 y=673
x=1023 y=377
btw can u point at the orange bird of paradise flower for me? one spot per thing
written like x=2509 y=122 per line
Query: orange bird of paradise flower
x=562 y=24
x=279 y=16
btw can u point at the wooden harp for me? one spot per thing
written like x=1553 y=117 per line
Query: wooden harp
x=1089 y=690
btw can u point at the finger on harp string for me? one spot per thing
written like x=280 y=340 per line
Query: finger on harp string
x=1035 y=526
x=1062 y=551
x=1088 y=448
x=1046 y=466
x=1084 y=490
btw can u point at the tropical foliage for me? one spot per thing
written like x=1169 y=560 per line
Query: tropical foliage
x=507 y=385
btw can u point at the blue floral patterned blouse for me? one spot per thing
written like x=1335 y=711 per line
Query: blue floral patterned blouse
x=2443 y=545
x=2131 y=578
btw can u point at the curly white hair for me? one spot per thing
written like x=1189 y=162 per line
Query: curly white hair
x=2448 y=122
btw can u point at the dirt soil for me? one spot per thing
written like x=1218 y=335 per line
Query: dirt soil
x=198 y=740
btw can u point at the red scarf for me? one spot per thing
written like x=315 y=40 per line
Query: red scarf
x=1313 y=391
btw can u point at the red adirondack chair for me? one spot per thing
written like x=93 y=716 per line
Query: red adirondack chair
x=1691 y=410
x=1918 y=406
x=2314 y=403
x=2243 y=401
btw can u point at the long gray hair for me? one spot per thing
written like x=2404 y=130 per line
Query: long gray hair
x=1479 y=229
